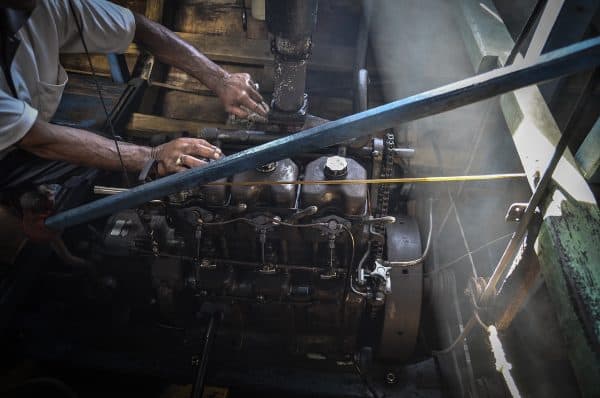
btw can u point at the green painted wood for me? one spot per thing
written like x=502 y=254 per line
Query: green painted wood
x=569 y=251
x=588 y=155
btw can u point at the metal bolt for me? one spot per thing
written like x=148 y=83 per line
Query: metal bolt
x=336 y=167
x=391 y=378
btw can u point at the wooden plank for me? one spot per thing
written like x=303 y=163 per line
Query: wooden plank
x=569 y=258
x=84 y=85
x=179 y=105
x=154 y=10
x=239 y=49
x=216 y=18
x=182 y=105
x=79 y=62
x=181 y=79
x=134 y=5
x=234 y=49
x=147 y=125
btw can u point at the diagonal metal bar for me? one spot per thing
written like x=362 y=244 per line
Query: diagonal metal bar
x=568 y=60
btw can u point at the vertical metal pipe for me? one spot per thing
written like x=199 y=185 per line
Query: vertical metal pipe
x=292 y=23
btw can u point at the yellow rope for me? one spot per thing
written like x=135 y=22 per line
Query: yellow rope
x=405 y=180
x=102 y=190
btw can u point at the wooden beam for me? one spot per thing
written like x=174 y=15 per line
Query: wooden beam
x=147 y=125
x=154 y=10
x=238 y=49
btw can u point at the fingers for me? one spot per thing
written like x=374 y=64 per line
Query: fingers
x=239 y=112
x=255 y=103
x=191 y=161
x=254 y=94
x=204 y=150
x=248 y=105
x=183 y=153
x=199 y=147
x=242 y=98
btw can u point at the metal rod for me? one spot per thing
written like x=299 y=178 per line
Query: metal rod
x=198 y=386
x=527 y=28
x=568 y=60
x=536 y=198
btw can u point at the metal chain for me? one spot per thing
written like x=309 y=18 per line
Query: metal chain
x=383 y=191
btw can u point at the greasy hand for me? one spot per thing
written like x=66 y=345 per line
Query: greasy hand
x=240 y=96
x=182 y=154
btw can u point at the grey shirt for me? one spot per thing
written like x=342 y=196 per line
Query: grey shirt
x=38 y=77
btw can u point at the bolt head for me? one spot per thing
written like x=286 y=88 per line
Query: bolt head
x=336 y=167
x=267 y=167
x=391 y=378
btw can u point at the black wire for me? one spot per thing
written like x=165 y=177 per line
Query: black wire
x=365 y=381
x=99 y=90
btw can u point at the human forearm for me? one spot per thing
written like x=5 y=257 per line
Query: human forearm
x=82 y=147
x=237 y=92
x=169 y=48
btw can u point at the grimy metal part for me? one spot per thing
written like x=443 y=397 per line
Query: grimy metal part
x=568 y=60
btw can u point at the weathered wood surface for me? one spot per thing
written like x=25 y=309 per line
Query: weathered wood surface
x=147 y=125
x=154 y=10
x=569 y=256
x=258 y=52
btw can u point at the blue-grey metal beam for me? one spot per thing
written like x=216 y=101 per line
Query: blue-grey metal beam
x=568 y=60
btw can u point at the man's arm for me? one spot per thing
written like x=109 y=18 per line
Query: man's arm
x=88 y=149
x=235 y=90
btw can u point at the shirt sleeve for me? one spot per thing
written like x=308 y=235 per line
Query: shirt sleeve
x=16 y=119
x=106 y=27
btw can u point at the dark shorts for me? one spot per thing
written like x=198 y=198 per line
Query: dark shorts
x=20 y=172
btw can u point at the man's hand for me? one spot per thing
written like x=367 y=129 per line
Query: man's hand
x=183 y=153
x=240 y=95
x=82 y=147
x=237 y=92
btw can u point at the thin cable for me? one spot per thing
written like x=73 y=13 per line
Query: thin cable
x=99 y=90
x=474 y=320
x=452 y=263
x=465 y=332
x=481 y=323
x=420 y=259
